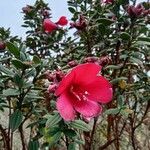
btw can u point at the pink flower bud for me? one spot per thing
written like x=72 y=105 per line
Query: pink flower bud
x=146 y=12
x=2 y=45
x=72 y=63
x=104 y=60
x=135 y=11
x=50 y=76
x=45 y=13
x=79 y=25
x=107 y=1
x=27 y=9
x=59 y=75
x=62 y=21
x=52 y=88
x=90 y=59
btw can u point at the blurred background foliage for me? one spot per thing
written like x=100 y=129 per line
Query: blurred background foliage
x=113 y=34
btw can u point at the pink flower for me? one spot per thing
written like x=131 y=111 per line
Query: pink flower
x=62 y=21
x=81 y=90
x=50 y=26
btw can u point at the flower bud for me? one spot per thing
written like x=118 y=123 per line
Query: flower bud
x=91 y=59
x=107 y=1
x=72 y=63
x=146 y=12
x=52 y=88
x=50 y=76
x=104 y=60
x=2 y=45
x=62 y=21
x=59 y=75
x=79 y=25
x=135 y=11
x=45 y=13
x=27 y=9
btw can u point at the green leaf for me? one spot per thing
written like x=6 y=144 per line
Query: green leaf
x=6 y=71
x=112 y=111
x=118 y=79
x=146 y=39
x=57 y=136
x=13 y=49
x=143 y=43
x=105 y=21
x=33 y=145
x=53 y=120
x=120 y=100
x=136 y=61
x=70 y=133
x=54 y=139
x=125 y=36
x=72 y=10
x=126 y=111
x=5 y=59
x=113 y=67
x=36 y=59
x=11 y=92
x=79 y=124
x=18 y=80
x=72 y=146
x=79 y=141
x=15 y=120
x=19 y=64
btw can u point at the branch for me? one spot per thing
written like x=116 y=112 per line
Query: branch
x=5 y=138
x=22 y=137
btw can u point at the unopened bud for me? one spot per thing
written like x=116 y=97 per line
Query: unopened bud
x=91 y=59
x=135 y=11
x=2 y=45
x=27 y=9
x=73 y=63
x=105 y=60
x=59 y=75
x=52 y=88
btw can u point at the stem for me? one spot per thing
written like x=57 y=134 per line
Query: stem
x=117 y=134
x=92 y=133
x=132 y=139
x=146 y=111
x=5 y=138
x=22 y=137
x=87 y=141
x=67 y=142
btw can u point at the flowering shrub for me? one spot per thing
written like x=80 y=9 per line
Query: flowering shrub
x=89 y=90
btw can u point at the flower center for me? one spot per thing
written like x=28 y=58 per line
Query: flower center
x=79 y=93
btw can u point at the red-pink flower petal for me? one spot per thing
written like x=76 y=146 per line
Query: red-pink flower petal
x=99 y=90
x=85 y=73
x=49 y=26
x=65 y=107
x=87 y=108
x=82 y=74
x=62 y=21
x=65 y=83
